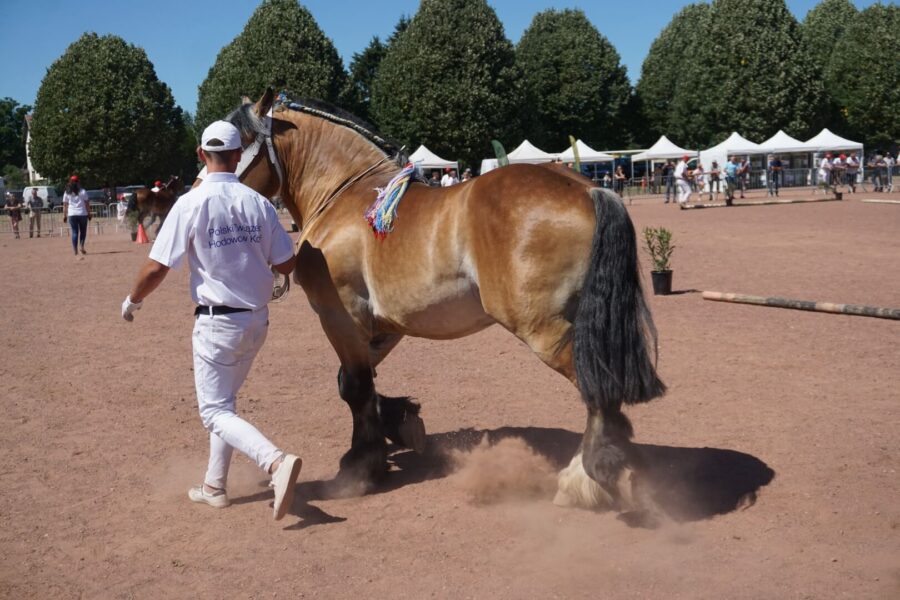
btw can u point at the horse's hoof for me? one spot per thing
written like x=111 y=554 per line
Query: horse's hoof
x=412 y=433
x=365 y=462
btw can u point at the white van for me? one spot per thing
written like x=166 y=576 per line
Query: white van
x=47 y=193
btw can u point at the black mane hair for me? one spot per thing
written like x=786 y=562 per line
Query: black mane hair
x=248 y=123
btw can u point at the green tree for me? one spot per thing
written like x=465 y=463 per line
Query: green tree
x=449 y=81
x=16 y=178
x=749 y=72
x=282 y=47
x=573 y=82
x=357 y=96
x=12 y=132
x=824 y=26
x=665 y=62
x=102 y=113
x=863 y=75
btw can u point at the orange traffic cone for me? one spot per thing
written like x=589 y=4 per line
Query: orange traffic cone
x=142 y=235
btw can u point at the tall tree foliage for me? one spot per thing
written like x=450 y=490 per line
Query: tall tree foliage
x=102 y=113
x=863 y=75
x=12 y=132
x=824 y=26
x=745 y=70
x=669 y=56
x=573 y=81
x=357 y=95
x=450 y=81
x=281 y=46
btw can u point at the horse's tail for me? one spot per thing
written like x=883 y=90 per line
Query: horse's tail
x=613 y=327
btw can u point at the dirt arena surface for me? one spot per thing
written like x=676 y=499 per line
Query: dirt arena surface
x=797 y=410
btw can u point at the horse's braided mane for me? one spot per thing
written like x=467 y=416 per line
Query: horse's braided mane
x=249 y=123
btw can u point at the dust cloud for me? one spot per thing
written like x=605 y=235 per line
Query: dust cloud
x=505 y=471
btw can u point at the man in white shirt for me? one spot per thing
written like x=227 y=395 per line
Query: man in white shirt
x=449 y=178
x=230 y=235
x=825 y=172
x=681 y=180
x=852 y=171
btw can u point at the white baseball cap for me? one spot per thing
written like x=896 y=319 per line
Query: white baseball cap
x=220 y=136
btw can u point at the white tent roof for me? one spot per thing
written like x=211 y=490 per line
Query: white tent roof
x=426 y=159
x=830 y=141
x=782 y=142
x=586 y=154
x=528 y=153
x=736 y=144
x=663 y=148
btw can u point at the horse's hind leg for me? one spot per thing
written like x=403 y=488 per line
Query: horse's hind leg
x=599 y=476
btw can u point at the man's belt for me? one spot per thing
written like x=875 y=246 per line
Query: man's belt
x=218 y=310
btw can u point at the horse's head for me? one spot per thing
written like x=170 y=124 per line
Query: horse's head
x=259 y=167
x=174 y=184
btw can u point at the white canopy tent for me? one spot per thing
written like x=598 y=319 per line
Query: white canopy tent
x=528 y=153
x=734 y=144
x=586 y=154
x=423 y=158
x=661 y=150
x=827 y=141
x=782 y=143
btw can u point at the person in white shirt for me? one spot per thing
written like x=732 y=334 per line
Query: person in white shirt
x=230 y=235
x=77 y=212
x=825 y=172
x=449 y=178
x=852 y=171
x=34 y=203
x=682 y=181
x=157 y=185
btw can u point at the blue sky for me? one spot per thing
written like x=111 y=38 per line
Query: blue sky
x=182 y=38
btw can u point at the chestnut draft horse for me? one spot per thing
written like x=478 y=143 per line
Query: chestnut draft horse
x=157 y=205
x=535 y=249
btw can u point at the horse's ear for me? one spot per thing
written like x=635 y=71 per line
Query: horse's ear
x=264 y=105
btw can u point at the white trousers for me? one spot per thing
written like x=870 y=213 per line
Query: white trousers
x=684 y=191
x=224 y=349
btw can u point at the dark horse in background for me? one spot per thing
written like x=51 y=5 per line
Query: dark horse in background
x=156 y=205
x=537 y=250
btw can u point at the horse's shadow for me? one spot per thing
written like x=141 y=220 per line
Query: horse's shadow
x=687 y=484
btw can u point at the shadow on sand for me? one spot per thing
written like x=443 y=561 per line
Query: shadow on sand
x=688 y=484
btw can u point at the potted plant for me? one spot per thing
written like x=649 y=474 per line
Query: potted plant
x=658 y=244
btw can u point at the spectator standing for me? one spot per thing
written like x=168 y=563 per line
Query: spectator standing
x=731 y=179
x=715 y=180
x=852 y=171
x=838 y=170
x=699 y=178
x=668 y=176
x=620 y=180
x=157 y=185
x=435 y=180
x=825 y=172
x=34 y=205
x=14 y=206
x=657 y=178
x=467 y=174
x=449 y=178
x=773 y=174
x=743 y=174
x=607 y=180
x=682 y=180
x=889 y=163
x=77 y=211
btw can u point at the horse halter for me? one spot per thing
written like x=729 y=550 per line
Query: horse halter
x=248 y=155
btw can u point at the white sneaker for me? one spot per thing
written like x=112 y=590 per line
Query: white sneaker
x=216 y=499
x=283 y=480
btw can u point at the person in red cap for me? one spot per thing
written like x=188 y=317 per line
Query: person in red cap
x=77 y=211
x=157 y=185
x=449 y=178
x=838 y=170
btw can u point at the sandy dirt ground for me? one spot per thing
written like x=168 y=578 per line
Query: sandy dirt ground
x=774 y=454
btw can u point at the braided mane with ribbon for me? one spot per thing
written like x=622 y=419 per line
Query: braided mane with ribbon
x=383 y=211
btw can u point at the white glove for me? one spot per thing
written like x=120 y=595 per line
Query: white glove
x=128 y=308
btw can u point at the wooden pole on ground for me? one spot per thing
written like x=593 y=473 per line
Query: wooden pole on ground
x=829 y=307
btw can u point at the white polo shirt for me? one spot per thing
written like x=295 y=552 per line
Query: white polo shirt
x=230 y=235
